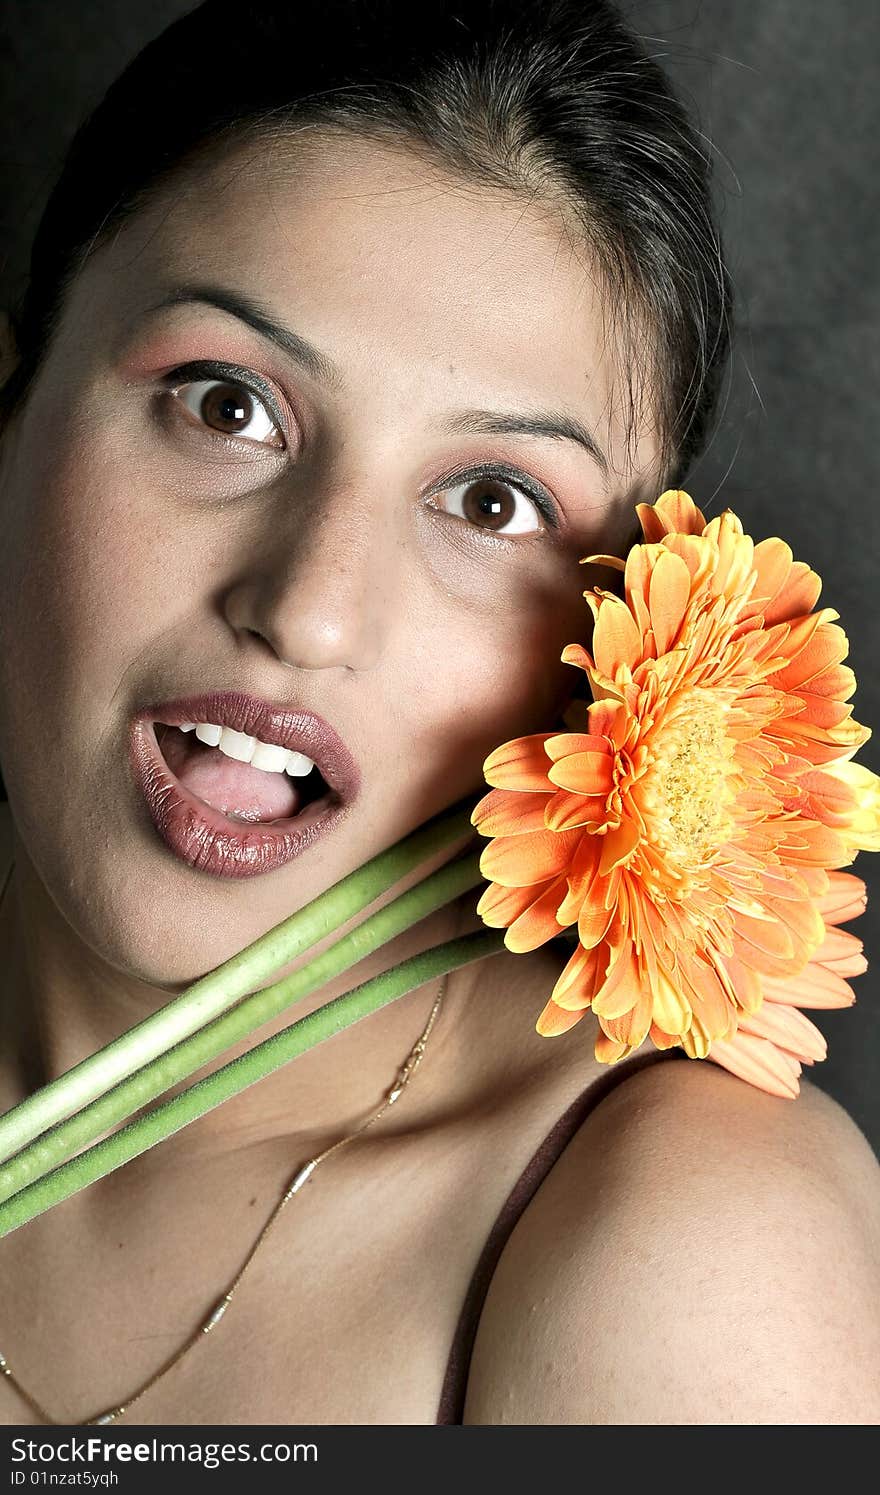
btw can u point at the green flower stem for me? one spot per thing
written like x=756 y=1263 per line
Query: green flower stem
x=220 y=988
x=181 y=1061
x=137 y=1136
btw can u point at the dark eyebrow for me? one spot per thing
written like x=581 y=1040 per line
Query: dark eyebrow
x=248 y=310
x=538 y=423
x=325 y=371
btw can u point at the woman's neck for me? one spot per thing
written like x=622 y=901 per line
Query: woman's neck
x=59 y=1003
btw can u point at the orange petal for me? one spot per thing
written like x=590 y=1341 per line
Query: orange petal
x=821 y=713
x=798 y=595
x=799 y=631
x=499 y=906
x=733 y=573
x=584 y=973
x=608 y=1050
x=863 y=830
x=765 y=935
x=803 y=921
x=637 y=580
x=810 y=842
x=584 y=773
x=622 y=986
x=670 y=593
x=519 y=764
x=674 y=510
x=841 y=951
x=517 y=861
x=846 y=898
x=502 y=812
x=616 y=639
x=783 y=883
x=582 y=890
x=743 y=980
x=555 y=1020
x=772 y=562
x=616 y=562
x=594 y=918
x=576 y=654
x=671 y=1008
x=828 y=645
x=697 y=554
x=583 y=868
x=617 y=845
x=712 y=1013
x=818 y=879
x=632 y=1027
x=663 y=1040
x=759 y=1062
x=788 y=1029
x=538 y=923
x=829 y=795
x=609 y=719
x=565 y=812
x=813 y=987
x=572 y=744
x=838 y=680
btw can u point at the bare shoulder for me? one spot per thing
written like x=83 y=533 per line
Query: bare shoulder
x=701 y=1253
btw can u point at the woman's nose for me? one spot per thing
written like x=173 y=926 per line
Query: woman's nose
x=321 y=590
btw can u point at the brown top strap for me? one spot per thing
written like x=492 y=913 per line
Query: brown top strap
x=452 y=1396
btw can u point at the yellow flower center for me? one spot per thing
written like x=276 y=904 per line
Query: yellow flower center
x=691 y=772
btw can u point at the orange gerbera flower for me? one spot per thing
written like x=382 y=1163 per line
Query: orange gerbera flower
x=692 y=827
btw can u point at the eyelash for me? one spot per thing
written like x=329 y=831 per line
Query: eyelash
x=228 y=373
x=207 y=369
x=513 y=479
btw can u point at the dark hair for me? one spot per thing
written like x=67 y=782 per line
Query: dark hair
x=554 y=99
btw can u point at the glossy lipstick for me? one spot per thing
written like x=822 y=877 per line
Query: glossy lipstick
x=204 y=837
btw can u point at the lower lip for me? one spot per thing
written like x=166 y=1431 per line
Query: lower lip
x=210 y=841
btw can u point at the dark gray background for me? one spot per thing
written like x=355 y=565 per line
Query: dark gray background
x=786 y=92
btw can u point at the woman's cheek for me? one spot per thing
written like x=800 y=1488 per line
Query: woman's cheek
x=110 y=570
x=528 y=684
x=105 y=590
x=486 y=684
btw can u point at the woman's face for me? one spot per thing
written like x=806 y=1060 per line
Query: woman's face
x=351 y=544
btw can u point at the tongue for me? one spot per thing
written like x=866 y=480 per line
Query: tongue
x=222 y=782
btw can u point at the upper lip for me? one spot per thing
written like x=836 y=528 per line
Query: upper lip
x=290 y=727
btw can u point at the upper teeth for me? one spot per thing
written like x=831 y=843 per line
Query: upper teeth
x=265 y=755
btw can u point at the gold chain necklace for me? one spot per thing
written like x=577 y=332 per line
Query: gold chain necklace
x=402 y=1079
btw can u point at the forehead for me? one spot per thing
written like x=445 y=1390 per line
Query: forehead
x=394 y=267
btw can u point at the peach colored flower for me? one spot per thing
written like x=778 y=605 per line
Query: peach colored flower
x=693 y=828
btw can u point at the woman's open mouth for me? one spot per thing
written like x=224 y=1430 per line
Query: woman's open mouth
x=233 y=802
x=204 y=766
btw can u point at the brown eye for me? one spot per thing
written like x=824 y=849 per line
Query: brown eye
x=230 y=409
x=496 y=505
